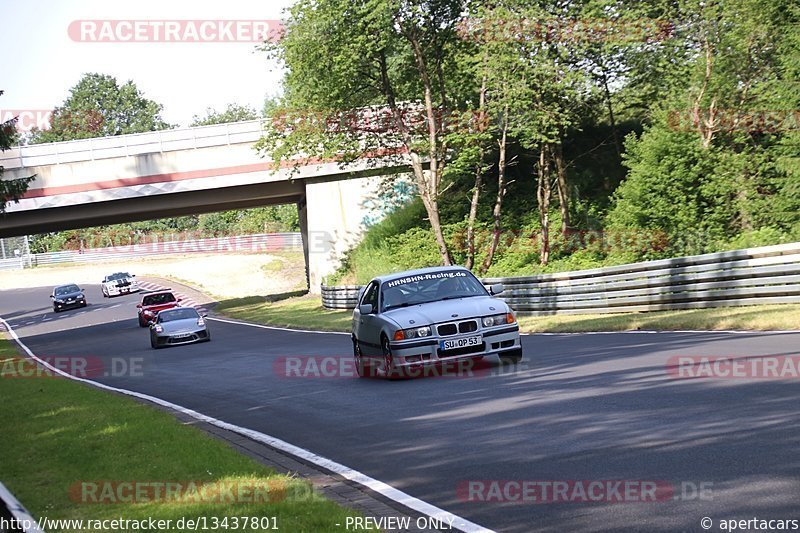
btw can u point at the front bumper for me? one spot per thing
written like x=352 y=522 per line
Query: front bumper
x=61 y=306
x=117 y=291
x=413 y=352
x=182 y=337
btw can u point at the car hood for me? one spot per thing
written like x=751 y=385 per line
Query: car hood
x=443 y=311
x=69 y=295
x=160 y=307
x=177 y=326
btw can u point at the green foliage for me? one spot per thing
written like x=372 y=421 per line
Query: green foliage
x=10 y=190
x=98 y=106
x=232 y=113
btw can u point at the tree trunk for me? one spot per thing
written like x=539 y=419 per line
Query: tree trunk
x=435 y=159
x=476 y=192
x=473 y=213
x=501 y=193
x=543 y=194
x=427 y=181
x=562 y=187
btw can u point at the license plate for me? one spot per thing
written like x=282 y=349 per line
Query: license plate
x=180 y=337
x=460 y=343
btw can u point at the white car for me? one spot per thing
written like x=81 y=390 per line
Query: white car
x=413 y=319
x=119 y=283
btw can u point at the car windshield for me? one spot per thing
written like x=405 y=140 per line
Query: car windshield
x=118 y=276
x=158 y=299
x=182 y=313
x=425 y=288
x=66 y=289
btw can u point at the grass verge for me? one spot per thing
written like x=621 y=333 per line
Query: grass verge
x=301 y=312
x=757 y=317
x=306 y=312
x=63 y=437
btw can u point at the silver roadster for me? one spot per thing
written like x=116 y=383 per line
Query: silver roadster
x=413 y=319
x=179 y=325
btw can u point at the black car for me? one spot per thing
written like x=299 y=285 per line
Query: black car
x=67 y=297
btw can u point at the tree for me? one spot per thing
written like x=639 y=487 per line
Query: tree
x=713 y=163
x=10 y=190
x=390 y=63
x=233 y=113
x=98 y=106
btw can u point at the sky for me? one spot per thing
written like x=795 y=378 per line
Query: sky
x=41 y=62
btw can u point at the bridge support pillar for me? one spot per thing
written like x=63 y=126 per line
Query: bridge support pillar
x=335 y=212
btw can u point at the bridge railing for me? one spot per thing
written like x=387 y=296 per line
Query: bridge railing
x=764 y=275
x=133 y=144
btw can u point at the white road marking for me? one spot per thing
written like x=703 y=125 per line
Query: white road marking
x=348 y=473
x=262 y=326
x=652 y=332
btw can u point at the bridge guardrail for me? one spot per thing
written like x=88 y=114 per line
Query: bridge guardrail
x=764 y=275
x=132 y=144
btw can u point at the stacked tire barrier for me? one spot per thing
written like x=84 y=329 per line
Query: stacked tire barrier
x=764 y=275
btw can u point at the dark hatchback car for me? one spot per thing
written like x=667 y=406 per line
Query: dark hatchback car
x=67 y=297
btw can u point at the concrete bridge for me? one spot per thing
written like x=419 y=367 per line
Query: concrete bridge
x=186 y=171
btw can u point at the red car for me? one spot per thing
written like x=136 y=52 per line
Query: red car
x=152 y=303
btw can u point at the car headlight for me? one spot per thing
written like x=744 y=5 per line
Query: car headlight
x=201 y=322
x=158 y=328
x=412 y=333
x=498 y=320
x=81 y=297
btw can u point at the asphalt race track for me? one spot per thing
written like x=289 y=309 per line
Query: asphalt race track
x=581 y=408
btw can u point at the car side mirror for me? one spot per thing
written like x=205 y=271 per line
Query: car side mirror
x=139 y=306
x=83 y=290
x=365 y=309
x=497 y=288
x=205 y=315
x=52 y=297
x=133 y=275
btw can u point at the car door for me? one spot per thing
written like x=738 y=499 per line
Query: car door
x=367 y=326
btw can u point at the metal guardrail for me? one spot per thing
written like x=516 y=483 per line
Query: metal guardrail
x=132 y=144
x=764 y=275
x=243 y=244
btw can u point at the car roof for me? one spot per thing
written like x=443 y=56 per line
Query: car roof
x=66 y=285
x=178 y=309
x=397 y=275
x=145 y=294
